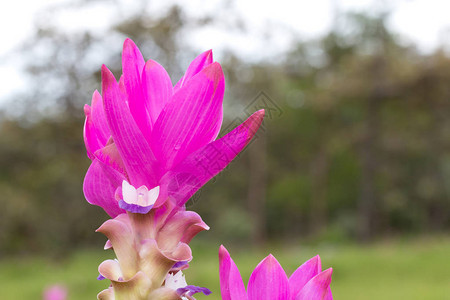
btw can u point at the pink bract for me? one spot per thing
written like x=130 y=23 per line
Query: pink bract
x=149 y=133
x=269 y=281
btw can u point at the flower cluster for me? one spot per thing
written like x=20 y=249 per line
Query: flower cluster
x=269 y=281
x=152 y=146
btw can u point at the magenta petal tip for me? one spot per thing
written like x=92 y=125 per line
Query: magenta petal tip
x=213 y=71
x=128 y=43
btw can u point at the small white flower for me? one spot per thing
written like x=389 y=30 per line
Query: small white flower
x=141 y=196
x=175 y=281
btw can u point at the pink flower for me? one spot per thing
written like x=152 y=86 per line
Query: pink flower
x=55 y=292
x=269 y=281
x=146 y=132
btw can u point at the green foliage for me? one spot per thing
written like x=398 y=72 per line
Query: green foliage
x=42 y=170
x=386 y=270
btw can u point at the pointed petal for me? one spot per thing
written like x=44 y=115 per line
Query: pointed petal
x=231 y=284
x=96 y=131
x=269 y=281
x=303 y=274
x=153 y=195
x=99 y=118
x=157 y=90
x=199 y=167
x=99 y=187
x=191 y=119
x=109 y=155
x=317 y=287
x=132 y=61
x=198 y=64
x=89 y=135
x=131 y=144
x=129 y=193
x=133 y=67
x=122 y=89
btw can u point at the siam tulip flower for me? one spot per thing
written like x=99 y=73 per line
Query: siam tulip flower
x=269 y=281
x=55 y=292
x=150 y=134
x=152 y=146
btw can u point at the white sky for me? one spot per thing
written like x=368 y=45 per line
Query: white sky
x=425 y=22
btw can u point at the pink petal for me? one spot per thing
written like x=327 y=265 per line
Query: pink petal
x=109 y=155
x=100 y=185
x=269 y=281
x=317 y=288
x=157 y=90
x=96 y=131
x=303 y=274
x=231 y=284
x=198 y=64
x=199 y=167
x=132 y=67
x=122 y=88
x=191 y=119
x=131 y=144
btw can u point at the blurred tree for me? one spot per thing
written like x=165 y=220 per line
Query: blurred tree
x=42 y=153
x=360 y=148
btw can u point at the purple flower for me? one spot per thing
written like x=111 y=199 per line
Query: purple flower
x=177 y=282
x=146 y=132
x=269 y=281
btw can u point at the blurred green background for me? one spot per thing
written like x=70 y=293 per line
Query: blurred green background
x=352 y=162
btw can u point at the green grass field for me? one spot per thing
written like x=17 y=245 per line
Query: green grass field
x=412 y=269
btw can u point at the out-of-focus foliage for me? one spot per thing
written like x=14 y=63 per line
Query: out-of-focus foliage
x=40 y=164
x=408 y=268
x=355 y=144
